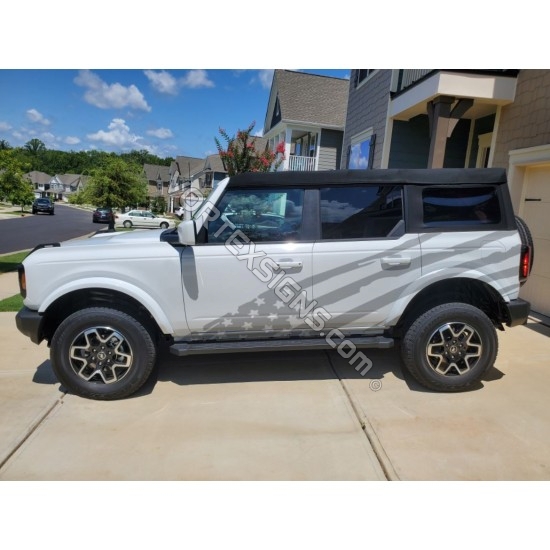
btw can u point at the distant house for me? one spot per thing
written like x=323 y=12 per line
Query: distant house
x=41 y=183
x=195 y=173
x=308 y=113
x=158 y=181
x=58 y=187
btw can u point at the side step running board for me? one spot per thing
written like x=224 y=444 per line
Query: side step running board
x=242 y=346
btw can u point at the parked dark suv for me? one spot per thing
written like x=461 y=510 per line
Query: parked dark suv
x=102 y=215
x=43 y=205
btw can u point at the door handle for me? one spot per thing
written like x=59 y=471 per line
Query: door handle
x=283 y=264
x=389 y=262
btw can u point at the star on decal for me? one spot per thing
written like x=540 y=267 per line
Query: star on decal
x=272 y=317
x=259 y=301
x=253 y=313
x=247 y=326
x=279 y=304
x=227 y=322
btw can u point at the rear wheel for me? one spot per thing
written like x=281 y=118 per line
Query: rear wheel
x=164 y=225
x=102 y=353
x=127 y=224
x=450 y=347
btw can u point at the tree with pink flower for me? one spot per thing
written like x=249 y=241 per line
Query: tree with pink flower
x=240 y=153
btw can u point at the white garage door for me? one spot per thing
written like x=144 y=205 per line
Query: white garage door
x=536 y=212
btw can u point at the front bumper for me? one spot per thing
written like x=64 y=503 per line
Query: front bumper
x=518 y=311
x=29 y=323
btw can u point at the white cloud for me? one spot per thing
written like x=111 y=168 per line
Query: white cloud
x=118 y=135
x=4 y=126
x=197 y=78
x=71 y=140
x=163 y=82
x=266 y=76
x=110 y=96
x=161 y=133
x=259 y=133
x=34 y=116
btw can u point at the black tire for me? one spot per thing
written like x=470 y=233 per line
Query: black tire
x=164 y=225
x=450 y=347
x=526 y=238
x=102 y=353
x=127 y=224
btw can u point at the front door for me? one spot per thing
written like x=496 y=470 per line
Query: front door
x=252 y=269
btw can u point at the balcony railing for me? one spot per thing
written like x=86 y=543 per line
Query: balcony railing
x=301 y=164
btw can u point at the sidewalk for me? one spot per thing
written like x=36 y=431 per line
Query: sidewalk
x=9 y=285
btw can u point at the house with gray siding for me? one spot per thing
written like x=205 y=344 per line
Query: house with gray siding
x=307 y=113
x=433 y=118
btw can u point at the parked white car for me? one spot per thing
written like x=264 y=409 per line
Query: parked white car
x=142 y=218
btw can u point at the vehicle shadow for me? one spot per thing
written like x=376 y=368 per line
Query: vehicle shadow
x=234 y=368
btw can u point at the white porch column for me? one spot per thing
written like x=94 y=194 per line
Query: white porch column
x=288 y=143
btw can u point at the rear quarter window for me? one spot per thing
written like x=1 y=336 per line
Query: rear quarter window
x=467 y=206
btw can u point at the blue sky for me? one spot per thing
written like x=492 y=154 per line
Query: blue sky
x=167 y=112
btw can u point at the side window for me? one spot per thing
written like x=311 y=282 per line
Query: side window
x=360 y=212
x=467 y=206
x=263 y=215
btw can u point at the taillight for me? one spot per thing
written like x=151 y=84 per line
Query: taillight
x=525 y=263
x=22 y=281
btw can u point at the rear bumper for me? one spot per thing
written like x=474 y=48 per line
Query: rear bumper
x=29 y=323
x=518 y=311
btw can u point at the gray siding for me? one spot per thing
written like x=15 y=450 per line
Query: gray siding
x=410 y=143
x=330 y=150
x=368 y=108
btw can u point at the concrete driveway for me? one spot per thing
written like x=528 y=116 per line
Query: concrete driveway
x=286 y=416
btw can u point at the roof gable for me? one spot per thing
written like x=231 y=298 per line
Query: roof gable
x=307 y=98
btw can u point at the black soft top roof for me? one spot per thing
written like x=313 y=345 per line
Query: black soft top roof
x=390 y=176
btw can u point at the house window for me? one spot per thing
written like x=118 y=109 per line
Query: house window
x=361 y=151
x=362 y=74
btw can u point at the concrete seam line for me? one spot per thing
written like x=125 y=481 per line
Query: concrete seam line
x=368 y=429
x=33 y=428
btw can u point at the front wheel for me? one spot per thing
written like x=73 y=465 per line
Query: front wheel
x=102 y=353
x=450 y=347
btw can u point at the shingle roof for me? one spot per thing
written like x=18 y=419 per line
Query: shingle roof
x=312 y=98
x=214 y=163
x=38 y=177
x=187 y=165
x=152 y=172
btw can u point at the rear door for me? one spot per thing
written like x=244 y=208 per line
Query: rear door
x=363 y=261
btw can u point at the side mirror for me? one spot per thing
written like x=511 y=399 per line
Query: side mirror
x=186 y=232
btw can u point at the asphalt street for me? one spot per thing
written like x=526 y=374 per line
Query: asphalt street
x=27 y=232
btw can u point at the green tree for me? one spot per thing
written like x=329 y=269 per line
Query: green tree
x=116 y=184
x=4 y=145
x=14 y=187
x=35 y=146
x=240 y=153
x=158 y=205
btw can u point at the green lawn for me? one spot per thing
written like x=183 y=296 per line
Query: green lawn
x=9 y=262
x=15 y=303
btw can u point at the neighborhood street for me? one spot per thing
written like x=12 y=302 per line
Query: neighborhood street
x=27 y=232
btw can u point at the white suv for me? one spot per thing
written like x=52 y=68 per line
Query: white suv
x=345 y=260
